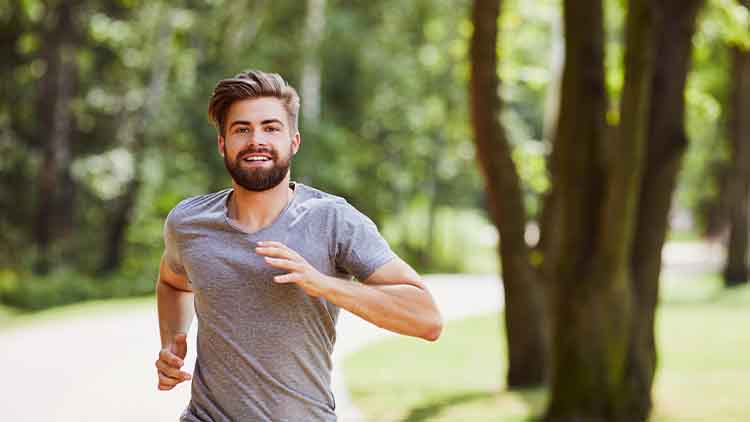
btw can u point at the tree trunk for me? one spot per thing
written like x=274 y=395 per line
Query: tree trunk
x=524 y=320
x=667 y=142
x=577 y=167
x=432 y=188
x=310 y=88
x=547 y=248
x=713 y=212
x=591 y=302
x=55 y=190
x=552 y=97
x=736 y=267
x=122 y=214
x=117 y=227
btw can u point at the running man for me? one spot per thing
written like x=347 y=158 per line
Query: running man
x=266 y=265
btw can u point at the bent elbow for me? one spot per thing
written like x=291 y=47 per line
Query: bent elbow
x=434 y=329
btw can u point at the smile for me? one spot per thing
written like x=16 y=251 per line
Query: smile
x=256 y=158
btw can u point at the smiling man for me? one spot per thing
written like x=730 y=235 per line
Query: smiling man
x=266 y=265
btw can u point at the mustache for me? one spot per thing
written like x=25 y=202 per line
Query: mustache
x=270 y=151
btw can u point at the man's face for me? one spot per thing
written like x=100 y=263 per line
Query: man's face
x=257 y=145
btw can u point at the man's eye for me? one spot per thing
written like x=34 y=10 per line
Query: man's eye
x=272 y=129
x=243 y=130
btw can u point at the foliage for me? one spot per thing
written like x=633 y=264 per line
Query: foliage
x=393 y=138
x=63 y=287
x=707 y=96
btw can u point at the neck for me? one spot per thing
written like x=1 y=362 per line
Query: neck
x=255 y=210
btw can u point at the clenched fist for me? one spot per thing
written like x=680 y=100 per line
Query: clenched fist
x=171 y=359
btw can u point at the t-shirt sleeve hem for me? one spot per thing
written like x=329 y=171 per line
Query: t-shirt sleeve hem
x=375 y=264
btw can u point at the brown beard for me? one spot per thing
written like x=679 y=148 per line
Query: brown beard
x=258 y=179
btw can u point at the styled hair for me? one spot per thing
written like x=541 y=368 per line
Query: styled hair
x=252 y=84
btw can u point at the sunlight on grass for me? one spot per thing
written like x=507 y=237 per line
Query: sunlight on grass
x=11 y=318
x=683 y=236
x=7 y=314
x=704 y=365
x=458 y=378
x=704 y=357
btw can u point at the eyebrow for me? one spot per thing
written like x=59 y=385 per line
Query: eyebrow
x=268 y=121
x=247 y=123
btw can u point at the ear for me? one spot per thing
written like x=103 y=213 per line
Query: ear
x=220 y=143
x=296 y=141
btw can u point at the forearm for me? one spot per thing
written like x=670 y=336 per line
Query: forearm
x=175 y=309
x=401 y=308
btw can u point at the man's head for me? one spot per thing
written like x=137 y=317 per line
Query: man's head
x=252 y=84
x=256 y=117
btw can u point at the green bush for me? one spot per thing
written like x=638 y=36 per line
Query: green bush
x=62 y=287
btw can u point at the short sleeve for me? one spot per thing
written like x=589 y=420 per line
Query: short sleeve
x=360 y=249
x=171 y=246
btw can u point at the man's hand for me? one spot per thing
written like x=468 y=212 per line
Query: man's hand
x=301 y=272
x=171 y=359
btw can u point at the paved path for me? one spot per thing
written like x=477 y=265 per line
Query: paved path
x=99 y=368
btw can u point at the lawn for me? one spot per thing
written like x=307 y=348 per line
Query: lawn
x=13 y=318
x=704 y=374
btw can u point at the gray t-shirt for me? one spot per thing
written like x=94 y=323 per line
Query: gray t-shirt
x=264 y=349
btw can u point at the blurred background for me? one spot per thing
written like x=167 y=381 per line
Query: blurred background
x=605 y=142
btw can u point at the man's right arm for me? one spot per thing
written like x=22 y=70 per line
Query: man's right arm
x=174 y=297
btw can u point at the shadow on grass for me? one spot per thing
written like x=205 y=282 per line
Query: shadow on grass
x=533 y=400
x=432 y=409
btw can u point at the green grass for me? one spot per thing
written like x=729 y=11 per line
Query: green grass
x=457 y=379
x=684 y=236
x=7 y=315
x=11 y=318
x=703 y=334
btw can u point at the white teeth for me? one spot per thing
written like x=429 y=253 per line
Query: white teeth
x=256 y=159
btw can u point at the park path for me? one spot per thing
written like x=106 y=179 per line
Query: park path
x=99 y=367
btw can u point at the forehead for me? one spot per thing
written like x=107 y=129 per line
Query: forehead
x=256 y=110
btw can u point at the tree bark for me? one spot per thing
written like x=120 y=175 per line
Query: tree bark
x=55 y=190
x=591 y=302
x=667 y=142
x=577 y=167
x=736 y=267
x=524 y=319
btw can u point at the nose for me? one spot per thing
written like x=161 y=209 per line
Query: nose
x=257 y=137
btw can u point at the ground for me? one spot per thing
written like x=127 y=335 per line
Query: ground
x=96 y=363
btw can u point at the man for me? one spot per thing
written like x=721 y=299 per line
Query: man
x=266 y=265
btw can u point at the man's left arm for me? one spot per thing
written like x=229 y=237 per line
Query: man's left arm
x=393 y=297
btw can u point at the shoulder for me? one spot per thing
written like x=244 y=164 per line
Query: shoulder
x=196 y=205
x=320 y=203
x=315 y=201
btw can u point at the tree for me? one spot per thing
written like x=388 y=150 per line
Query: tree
x=311 y=71
x=666 y=145
x=124 y=205
x=55 y=186
x=523 y=296
x=738 y=183
x=607 y=277
x=598 y=181
x=578 y=173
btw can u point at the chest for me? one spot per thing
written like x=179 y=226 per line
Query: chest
x=228 y=275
